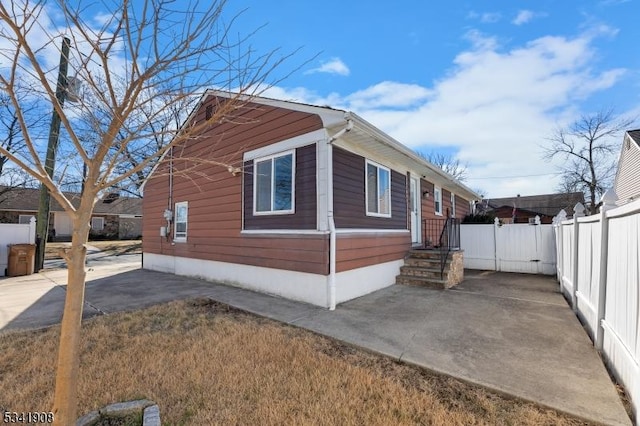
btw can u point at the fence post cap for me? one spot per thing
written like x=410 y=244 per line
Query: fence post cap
x=578 y=210
x=608 y=199
x=537 y=220
x=496 y=221
x=561 y=216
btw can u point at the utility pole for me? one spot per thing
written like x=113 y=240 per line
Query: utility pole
x=42 y=225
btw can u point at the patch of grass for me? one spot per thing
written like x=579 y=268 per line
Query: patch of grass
x=205 y=363
x=134 y=419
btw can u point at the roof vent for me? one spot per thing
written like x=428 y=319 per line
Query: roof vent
x=110 y=198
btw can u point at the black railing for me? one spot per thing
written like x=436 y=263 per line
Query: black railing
x=443 y=235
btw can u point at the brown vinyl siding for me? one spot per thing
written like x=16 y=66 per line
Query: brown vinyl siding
x=463 y=208
x=428 y=204
x=215 y=195
x=349 y=207
x=305 y=215
x=357 y=251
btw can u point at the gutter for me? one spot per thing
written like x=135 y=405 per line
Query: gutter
x=331 y=280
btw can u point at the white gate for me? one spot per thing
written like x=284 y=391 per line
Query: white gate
x=525 y=248
x=13 y=233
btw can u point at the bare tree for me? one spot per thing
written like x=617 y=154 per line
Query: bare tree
x=138 y=62
x=587 y=148
x=447 y=163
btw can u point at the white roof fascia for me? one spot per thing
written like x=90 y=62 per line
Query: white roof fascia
x=388 y=140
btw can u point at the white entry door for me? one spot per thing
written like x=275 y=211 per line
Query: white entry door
x=414 y=207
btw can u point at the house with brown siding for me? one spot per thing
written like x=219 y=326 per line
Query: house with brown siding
x=319 y=205
x=627 y=183
x=114 y=216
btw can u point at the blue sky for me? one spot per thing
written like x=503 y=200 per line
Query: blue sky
x=486 y=80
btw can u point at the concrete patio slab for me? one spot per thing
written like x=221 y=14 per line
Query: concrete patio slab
x=512 y=333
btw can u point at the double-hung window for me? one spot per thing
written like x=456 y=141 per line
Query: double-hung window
x=181 y=220
x=97 y=224
x=453 y=205
x=378 y=190
x=437 y=199
x=25 y=219
x=274 y=184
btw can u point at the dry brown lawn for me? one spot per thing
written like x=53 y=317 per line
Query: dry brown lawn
x=115 y=248
x=205 y=363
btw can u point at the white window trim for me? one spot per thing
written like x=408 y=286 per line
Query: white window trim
x=292 y=210
x=176 y=238
x=28 y=216
x=95 y=228
x=366 y=189
x=437 y=196
x=453 y=205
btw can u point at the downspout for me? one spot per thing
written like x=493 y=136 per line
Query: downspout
x=332 y=225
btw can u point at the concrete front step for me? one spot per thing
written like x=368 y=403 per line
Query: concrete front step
x=422 y=268
x=412 y=271
x=432 y=283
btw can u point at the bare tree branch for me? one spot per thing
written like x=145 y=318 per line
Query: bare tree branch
x=447 y=163
x=587 y=148
x=138 y=67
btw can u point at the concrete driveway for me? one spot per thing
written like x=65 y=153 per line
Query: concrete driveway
x=513 y=333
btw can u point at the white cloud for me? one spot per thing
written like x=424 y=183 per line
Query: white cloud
x=485 y=17
x=333 y=66
x=388 y=94
x=496 y=106
x=523 y=17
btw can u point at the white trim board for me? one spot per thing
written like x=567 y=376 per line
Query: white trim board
x=285 y=145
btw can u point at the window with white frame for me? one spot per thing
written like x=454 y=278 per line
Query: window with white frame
x=274 y=184
x=25 y=219
x=97 y=223
x=437 y=200
x=453 y=205
x=181 y=219
x=378 y=190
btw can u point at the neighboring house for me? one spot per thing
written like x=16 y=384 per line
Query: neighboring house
x=627 y=183
x=113 y=217
x=524 y=209
x=319 y=202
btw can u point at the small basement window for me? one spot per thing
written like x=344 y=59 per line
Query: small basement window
x=274 y=184
x=378 y=190
x=181 y=219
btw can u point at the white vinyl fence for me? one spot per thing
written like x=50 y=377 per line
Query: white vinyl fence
x=526 y=248
x=598 y=267
x=13 y=233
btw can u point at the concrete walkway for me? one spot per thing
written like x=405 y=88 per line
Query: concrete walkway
x=513 y=333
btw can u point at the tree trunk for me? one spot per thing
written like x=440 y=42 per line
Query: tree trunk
x=66 y=397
